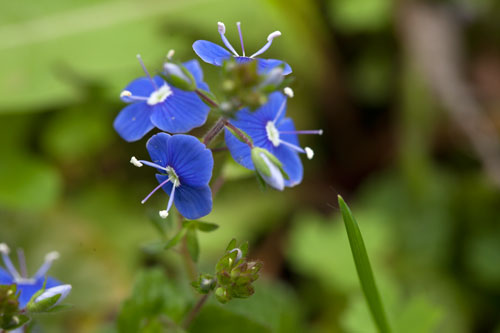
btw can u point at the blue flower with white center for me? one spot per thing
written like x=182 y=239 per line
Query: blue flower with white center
x=154 y=103
x=27 y=286
x=270 y=129
x=216 y=55
x=185 y=168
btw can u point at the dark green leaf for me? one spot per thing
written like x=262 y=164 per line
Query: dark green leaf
x=175 y=240
x=363 y=268
x=206 y=226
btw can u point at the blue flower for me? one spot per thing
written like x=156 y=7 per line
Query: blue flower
x=185 y=168
x=26 y=286
x=270 y=129
x=216 y=55
x=154 y=103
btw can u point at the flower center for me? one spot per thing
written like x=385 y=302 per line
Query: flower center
x=272 y=133
x=172 y=176
x=159 y=95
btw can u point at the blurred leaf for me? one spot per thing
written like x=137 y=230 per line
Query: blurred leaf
x=363 y=268
x=78 y=133
x=360 y=15
x=417 y=315
x=28 y=183
x=217 y=319
x=234 y=171
x=175 y=240
x=206 y=226
x=192 y=244
x=153 y=297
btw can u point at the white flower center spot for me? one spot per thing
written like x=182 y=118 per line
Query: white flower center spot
x=159 y=95
x=273 y=134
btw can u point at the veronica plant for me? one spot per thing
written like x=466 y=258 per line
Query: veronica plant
x=251 y=111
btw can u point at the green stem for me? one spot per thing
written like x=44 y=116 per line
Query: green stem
x=194 y=311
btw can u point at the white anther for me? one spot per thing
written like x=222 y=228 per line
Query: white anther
x=288 y=91
x=125 y=93
x=170 y=54
x=221 y=27
x=163 y=214
x=4 y=248
x=273 y=35
x=320 y=132
x=135 y=162
x=51 y=256
x=309 y=152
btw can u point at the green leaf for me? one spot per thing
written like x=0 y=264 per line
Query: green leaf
x=363 y=268
x=175 y=240
x=206 y=226
x=192 y=244
x=231 y=245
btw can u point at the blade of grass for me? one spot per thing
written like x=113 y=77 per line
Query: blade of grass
x=363 y=268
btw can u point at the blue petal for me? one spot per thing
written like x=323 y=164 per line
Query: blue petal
x=157 y=147
x=133 y=122
x=193 y=66
x=180 y=112
x=291 y=164
x=5 y=277
x=265 y=65
x=210 y=52
x=139 y=87
x=28 y=290
x=254 y=124
x=191 y=160
x=192 y=202
x=243 y=60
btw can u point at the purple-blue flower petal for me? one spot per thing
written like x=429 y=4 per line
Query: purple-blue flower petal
x=5 y=277
x=142 y=87
x=157 y=147
x=239 y=150
x=133 y=122
x=193 y=66
x=192 y=202
x=291 y=164
x=210 y=52
x=180 y=112
x=191 y=160
x=265 y=65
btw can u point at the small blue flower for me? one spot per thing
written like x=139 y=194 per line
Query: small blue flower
x=216 y=55
x=154 y=103
x=185 y=168
x=269 y=129
x=26 y=286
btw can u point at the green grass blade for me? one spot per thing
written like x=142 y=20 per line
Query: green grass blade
x=363 y=268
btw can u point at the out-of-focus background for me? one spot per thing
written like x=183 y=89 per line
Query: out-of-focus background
x=407 y=92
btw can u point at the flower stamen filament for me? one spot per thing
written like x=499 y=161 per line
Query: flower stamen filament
x=146 y=71
x=238 y=24
x=222 y=31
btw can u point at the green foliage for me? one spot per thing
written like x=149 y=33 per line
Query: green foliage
x=363 y=268
x=156 y=304
x=10 y=317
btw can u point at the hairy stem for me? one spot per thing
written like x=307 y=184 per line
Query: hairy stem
x=239 y=132
x=186 y=258
x=206 y=98
x=194 y=311
x=214 y=131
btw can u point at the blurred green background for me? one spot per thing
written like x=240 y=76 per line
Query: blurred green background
x=384 y=79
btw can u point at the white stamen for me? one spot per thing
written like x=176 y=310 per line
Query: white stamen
x=125 y=93
x=170 y=54
x=221 y=27
x=309 y=152
x=239 y=255
x=51 y=256
x=273 y=35
x=4 y=248
x=288 y=91
x=136 y=162
x=163 y=214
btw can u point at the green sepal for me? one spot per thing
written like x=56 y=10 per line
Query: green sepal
x=15 y=322
x=44 y=305
x=238 y=136
x=209 y=95
x=178 y=81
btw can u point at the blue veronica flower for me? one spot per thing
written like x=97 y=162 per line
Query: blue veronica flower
x=270 y=129
x=154 y=103
x=216 y=55
x=26 y=286
x=185 y=168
